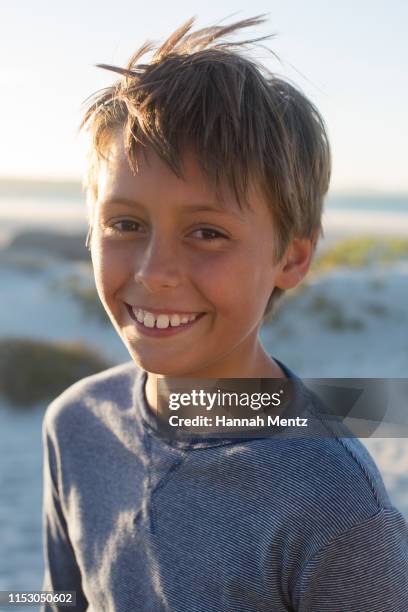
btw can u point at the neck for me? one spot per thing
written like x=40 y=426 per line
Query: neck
x=259 y=365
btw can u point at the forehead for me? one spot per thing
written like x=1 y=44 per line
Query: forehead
x=152 y=172
x=155 y=181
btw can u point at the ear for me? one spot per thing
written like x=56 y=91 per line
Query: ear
x=295 y=263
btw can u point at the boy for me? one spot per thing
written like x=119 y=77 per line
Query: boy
x=205 y=188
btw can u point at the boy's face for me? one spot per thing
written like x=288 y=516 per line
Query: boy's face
x=163 y=245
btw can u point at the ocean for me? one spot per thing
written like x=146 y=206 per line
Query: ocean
x=374 y=203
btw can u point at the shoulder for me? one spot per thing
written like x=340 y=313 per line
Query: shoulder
x=321 y=483
x=66 y=413
x=324 y=497
x=370 y=557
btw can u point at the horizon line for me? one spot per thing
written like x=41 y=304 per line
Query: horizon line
x=75 y=182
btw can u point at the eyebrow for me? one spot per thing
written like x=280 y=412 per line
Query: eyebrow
x=199 y=207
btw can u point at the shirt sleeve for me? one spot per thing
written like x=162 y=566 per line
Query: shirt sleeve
x=364 y=569
x=61 y=572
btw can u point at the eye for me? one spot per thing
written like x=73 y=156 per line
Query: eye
x=209 y=234
x=126 y=225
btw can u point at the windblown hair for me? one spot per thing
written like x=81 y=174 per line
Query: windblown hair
x=245 y=125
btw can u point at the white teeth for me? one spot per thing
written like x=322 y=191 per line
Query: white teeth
x=175 y=320
x=161 y=321
x=149 y=319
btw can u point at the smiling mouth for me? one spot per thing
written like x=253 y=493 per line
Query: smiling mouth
x=162 y=324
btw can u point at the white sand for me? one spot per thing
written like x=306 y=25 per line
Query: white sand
x=346 y=323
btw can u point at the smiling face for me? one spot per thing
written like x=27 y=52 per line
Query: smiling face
x=165 y=246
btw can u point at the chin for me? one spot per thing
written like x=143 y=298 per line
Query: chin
x=156 y=366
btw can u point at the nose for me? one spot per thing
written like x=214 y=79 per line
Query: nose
x=158 y=266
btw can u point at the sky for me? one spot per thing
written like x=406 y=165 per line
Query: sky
x=348 y=57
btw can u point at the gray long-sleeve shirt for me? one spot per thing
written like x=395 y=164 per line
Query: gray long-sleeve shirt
x=133 y=522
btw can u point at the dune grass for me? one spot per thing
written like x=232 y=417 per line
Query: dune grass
x=350 y=253
x=360 y=251
x=333 y=314
x=34 y=371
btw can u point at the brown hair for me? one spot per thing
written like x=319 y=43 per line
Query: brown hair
x=245 y=125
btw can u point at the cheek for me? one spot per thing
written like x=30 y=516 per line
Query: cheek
x=109 y=271
x=235 y=283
